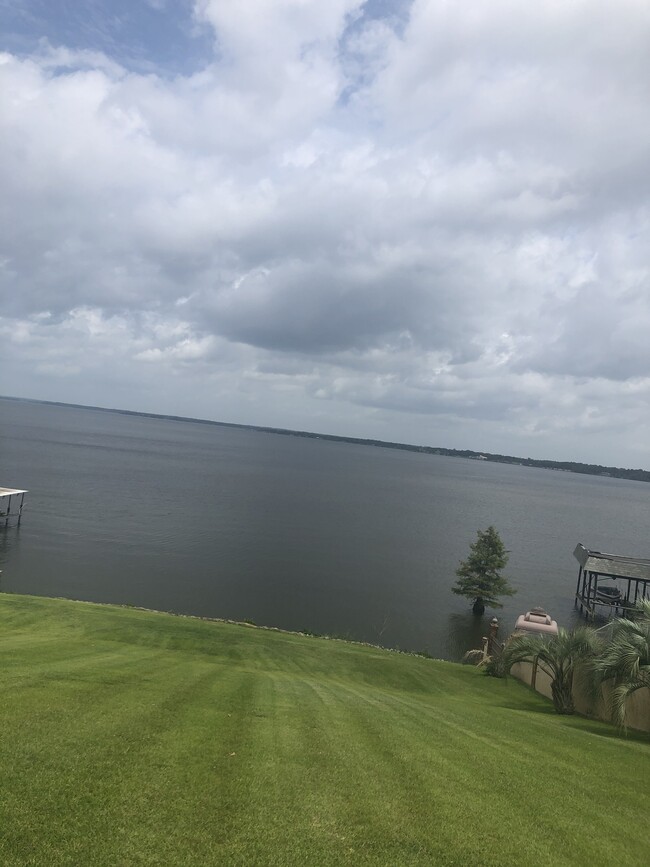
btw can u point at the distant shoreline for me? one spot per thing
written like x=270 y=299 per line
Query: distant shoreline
x=636 y=475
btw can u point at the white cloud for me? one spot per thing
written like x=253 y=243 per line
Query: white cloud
x=431 y=226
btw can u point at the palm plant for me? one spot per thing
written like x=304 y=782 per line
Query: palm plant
x=557 y=655
x=626 y=659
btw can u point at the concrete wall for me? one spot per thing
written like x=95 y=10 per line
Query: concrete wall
x=638 y=705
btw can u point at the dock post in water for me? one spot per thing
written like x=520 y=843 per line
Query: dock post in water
x=610 y=584
x=6 y=495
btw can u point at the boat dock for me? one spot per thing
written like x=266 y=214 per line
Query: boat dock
x=9 y=507
x=610 y=583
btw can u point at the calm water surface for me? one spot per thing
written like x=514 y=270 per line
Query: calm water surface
x=298 y=533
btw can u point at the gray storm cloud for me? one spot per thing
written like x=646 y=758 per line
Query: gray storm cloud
x=412 y=221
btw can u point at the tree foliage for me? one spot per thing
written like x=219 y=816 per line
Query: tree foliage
x=479 y=576
x=626 y=659
x=557 y=655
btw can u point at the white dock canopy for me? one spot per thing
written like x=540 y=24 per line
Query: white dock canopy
x=5 y=504
x=9 y=492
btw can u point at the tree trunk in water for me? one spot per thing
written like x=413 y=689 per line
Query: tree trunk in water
x=478 y=607
x=562 y=692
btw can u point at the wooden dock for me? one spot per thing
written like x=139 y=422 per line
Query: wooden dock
x=610 y=584
x=12 y=501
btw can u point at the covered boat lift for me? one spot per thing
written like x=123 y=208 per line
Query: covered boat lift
x=595 y=588
x=6 y=503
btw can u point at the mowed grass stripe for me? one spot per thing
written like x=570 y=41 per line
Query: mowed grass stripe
x=403 y=802
x=139 y=738
x=100 y=765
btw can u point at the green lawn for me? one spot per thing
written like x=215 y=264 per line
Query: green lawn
x=129 y=737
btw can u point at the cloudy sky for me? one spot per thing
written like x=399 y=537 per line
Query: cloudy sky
x=412 y=220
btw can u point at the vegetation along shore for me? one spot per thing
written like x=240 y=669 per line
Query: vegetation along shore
x=638 y=475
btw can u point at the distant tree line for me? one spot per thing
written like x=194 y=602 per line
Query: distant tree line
x=566 y=466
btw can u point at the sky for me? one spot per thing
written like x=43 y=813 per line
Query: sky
x=411 y=220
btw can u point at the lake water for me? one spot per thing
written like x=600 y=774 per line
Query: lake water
x=298 y=533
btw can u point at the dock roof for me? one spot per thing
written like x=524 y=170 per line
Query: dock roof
x=612 y=564
x=9 y=492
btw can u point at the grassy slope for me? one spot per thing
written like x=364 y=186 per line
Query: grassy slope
x=129 y=737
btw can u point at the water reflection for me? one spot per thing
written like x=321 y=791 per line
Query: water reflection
x=298 y=533
x=465 y=632
x=9 y=537
x=8 y=540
